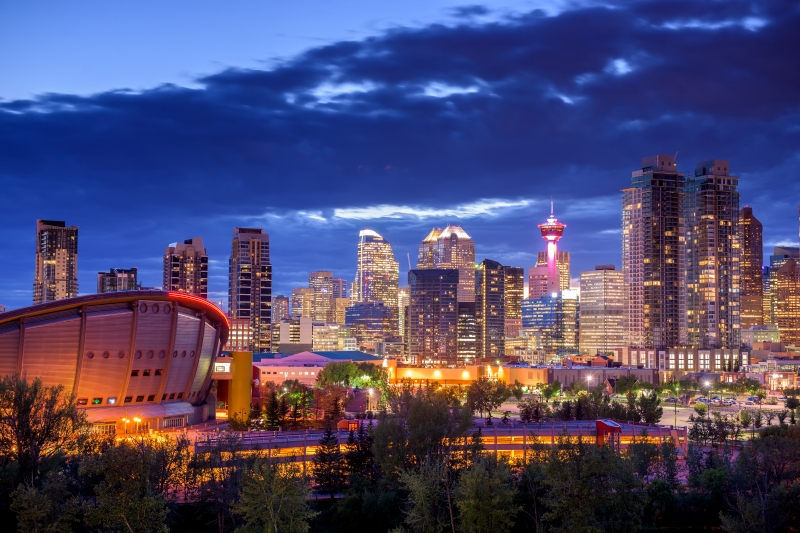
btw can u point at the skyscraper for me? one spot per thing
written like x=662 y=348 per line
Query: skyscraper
x=303 y=302
x=562 y=265
x=751 y=263
x=370 y=322
x=117 y=279
x=780 y=255
x=186 y=267
x=56 y=274
x=552 y=230
x=788 y=302
x=711 y=243
x=490 y=308
x=403 y=299
x=651 y=254
x=514 y=279
x=553 y=319
x=602 y=310
x=377 y=273
x=432 y=315
x=250 y=283
x=339 y=288
x=340 y=309
x=451 y=248
x=467 y=331
x=322 y=283
x=538 y=281
x=280 y=308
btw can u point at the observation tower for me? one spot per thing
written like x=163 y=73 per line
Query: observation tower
x=552 y=230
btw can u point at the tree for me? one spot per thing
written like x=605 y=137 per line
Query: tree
x=274 y=499
x=427 y=509
x=648 y=407
x=38 y=422
x=358 y=457
x=329 y=472
x=701 y=408
x=479 y=395
x=485 y=497
x=50 y=508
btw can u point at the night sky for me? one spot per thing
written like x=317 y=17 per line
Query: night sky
x=145 y=127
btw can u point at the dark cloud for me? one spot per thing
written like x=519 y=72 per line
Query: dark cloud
x=437 y=117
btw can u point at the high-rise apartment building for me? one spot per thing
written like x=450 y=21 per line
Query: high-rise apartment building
x=56 y=274
x=303 y=302
x=280 y=308
x=467 y=331
x=602 y=310
x=433 y=315
x=514 y=278
x=371 y=322
x=117 y=279
x=787 y=313
x=711 y=244
x=553 y=320
x=450 y=248
x=403 y=299
x=538 y=281
x=779 y=257
x=652 y=233
x=490 y=308
x=751 y=263
x=377 y=274
x=186 y=267
x=250 y=284
x=339 y=288
x=562 y=265
x=322 y=283
x=340 y=309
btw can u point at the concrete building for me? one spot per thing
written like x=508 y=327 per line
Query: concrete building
x=377 y=275
x=124 y=355
x=340 y=310
x=303 y=302
x=538 y=281
x=433 y=316
x=250 y=284
x=490 y=308
x=339 y=288
x=751 y=263
x=682 y=360
x=467 y=332
x=514 y=279
x=779 y=257
x=451 y=248
x=788 y=302
x=760 y=334
x=117 y=279
x=280 y=308
x=186 y=267
x=711 y=214
x=403 y=300
x=240 y=338
x=56 y=276
x=602 y=310
x=652 y=256
x=304 y=366
x=294 y=335
x=324 y=337
x=322 y=284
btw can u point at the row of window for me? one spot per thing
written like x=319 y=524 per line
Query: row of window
x=139 y=354
x=139 y=399
x=155 y=308
x=281 y=373
x=146 y=372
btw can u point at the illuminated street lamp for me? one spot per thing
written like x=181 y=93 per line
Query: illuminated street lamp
x=138 y=421
x=126 y=420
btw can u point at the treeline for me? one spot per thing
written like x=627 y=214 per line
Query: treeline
x=420 y=468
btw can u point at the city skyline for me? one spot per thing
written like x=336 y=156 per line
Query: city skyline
x=445 y=133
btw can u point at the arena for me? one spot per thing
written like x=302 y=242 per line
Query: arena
x=135 y=360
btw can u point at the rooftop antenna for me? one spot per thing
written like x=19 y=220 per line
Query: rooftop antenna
x=676 y=154
x=408 y=255
x=551 y=206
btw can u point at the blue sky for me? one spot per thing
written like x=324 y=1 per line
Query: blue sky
x=146 y=124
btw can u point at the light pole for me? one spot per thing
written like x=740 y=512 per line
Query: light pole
x=676 y=406
x=138 y=421
x=126 y=420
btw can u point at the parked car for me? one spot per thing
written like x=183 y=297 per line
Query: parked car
x=749 y=403
x=671 y=400
x=782 y=398
x=752 y=399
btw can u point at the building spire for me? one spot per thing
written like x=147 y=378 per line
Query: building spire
x=552 y=212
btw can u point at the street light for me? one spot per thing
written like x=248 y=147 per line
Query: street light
x=138 y=421
x=676 y=406
x=126 y=420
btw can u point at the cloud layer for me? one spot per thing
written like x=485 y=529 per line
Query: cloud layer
x=478 y=123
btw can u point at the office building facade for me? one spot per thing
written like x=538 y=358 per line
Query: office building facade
x=553 y=319
x=303 y=302
x=490 y=308
x=450 y=248
x=467 y=332
x=322 y=284
x=370 y=322
x=250 y=284
x=433 y=315
x=56 y=275
x=280 y=308
x=780 y=255
x=117 y=279
x=377 y=274
x=514 y=279
x=788 y=302
x=602 y=311
x=751 y=264
x=186 y=267
x=652 y=232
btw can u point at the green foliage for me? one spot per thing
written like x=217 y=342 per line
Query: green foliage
x=701 y=408
x=350 y=374
x=648 y=408
x=485 y=394
x=38 y=422
x=274 y=498
x=49 y=508
x=485 y=497
x=329 y=470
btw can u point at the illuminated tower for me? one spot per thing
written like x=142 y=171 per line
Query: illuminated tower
x=377 y=274
x=552 y=230
x=56 y=261
x=186 y=267
x=250 y=284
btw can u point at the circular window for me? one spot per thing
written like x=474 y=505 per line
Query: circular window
x=150 y=354
x=138 y=354
x=167 y=309
x=183 y=354
x=191 y=354
x=143 y=307
x=162 y=354
x=175 y=353
x=121 y=355
x=106 y=355
x=90 y=355
x=155 y=308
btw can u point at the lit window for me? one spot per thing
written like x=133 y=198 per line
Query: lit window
x=83 y=401
x=97 y=401
x=140 y=398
